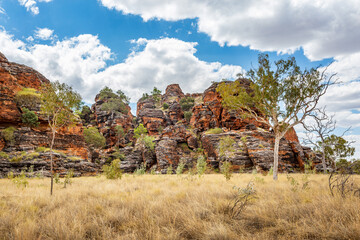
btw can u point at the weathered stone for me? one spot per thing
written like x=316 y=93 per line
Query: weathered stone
x=166 y=153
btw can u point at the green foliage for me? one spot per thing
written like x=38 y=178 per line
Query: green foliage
x=18 y=157
x=85 y=111
x=169 y=170
x=32 y=155
x=180 y=167
x=337 y=148
x=226 y=147
x=68 y=176
x=147 y=141
x=94 y=138
x=214 y=131
x=123 y=97
x=144 y=96
x=226 y=169
x=141 y=170
x=20 y=180
x=74 y=158
x=271 y=171
x=187 y=103
x=58 y=101
x=187 y=115
x=241 y=199
x=42 y=149
x=201 y=165
x=29 y=118
x=244 y=139
x=259 y=180
x=119 y=131
x=28 y=98
x=10 y=175
x=139 y=131
x=4 y=155
x=8 y=135
x=165 y=105
x=114 y=105
x=107 y=92
x=156 y=94
x=113 y=170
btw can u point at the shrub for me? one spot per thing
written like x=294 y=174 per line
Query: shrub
x=187 y=103
x=42 y=149
x=107 y=92
x=165 y=106
x=144 y=97
x=20 y=180
x=140 y=130
x=214 y=131
x=94 y=138
x=241 y=199
x=113 y=170
x=141 y=170
x=4 y=155
x=226 y=170
x=169 y=170
x=187 y=115
x=114 y=105
x=201 y=165
x=156 y=93
x=8 y=135
x=74 y=158
x=32 y=155
x=29 y=118
x=226 y=146
x=180 y=167
x=28 y=98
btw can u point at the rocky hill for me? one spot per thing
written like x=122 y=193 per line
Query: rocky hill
x=183 y=127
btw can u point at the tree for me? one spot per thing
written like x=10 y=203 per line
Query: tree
x=319 y=134
x=144 y=141
x=29 y=118
x=123 y=97
x=120 y=133
x=280 y=97
x=337 y=149
x=156 y=93
x=94 y=139
x=58 y=100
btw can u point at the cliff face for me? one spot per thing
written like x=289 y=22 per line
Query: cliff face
x=14 y=78
x=179 y=123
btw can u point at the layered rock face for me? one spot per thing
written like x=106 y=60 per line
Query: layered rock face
x=14 y=78
x=179 y=124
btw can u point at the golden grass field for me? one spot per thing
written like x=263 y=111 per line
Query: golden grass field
x=175 y=207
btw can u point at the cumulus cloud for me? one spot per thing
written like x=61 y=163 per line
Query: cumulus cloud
x=2 y=11
x=44 y=33
x=31 y=5
x=82 y=62
x=323 y=28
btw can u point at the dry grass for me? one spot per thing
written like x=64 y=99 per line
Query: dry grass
x=172 y=207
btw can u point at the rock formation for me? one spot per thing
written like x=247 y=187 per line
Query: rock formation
x=184 y=127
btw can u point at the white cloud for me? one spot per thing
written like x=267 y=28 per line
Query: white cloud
x=81 y=62
x=2 y=11
x=44 y=33
x=323 y=28
x=31 y=5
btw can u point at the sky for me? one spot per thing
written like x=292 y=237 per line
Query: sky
x=134 y=45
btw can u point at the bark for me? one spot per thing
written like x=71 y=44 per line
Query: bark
x=276 y=157
x=51 y=161
x=323 y=159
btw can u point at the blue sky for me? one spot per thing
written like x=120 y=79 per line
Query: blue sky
x=134 y=45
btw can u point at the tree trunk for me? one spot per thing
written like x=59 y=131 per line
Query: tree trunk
x=323 y=159
x=276 y=157
x=51 y=161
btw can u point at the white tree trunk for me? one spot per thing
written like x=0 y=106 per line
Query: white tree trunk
x=51 y=161
x=323 y=159
x=276 y=157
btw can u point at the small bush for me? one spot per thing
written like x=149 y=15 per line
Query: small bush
x=214 y=131
x=180 y=167
x=165 y=106
x=226 y=170
x=8 y=135
x=201 y=165
x=4 y=155
x=139 y=131
x=28 y=98
x=113 y=170
x=20 y=180
x=141 y=170
x=187 y=103
x=241 y=199
x=32 y=155
x=114 y=105
x=29 y=118
x=94 y=138
x=107 y=92
x=74 y=158
x=187 y=115
x=169 y=170
x=42 y=149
